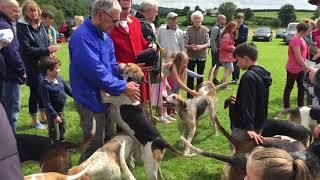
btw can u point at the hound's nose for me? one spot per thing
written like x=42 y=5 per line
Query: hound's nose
x=164 y=98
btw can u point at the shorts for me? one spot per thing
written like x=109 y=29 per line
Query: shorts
x=227 y=65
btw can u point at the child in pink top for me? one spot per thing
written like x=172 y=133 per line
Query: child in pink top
x=228 y=36
x=297 y=54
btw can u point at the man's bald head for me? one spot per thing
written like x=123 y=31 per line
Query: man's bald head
x=10 y=8
x=221 y=19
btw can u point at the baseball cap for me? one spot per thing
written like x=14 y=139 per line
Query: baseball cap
x=171 y=15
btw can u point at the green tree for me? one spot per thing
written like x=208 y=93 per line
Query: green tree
x=248 y=14
x=186 y=10
x=287 y=14
x=228 y=9
x=197 y=8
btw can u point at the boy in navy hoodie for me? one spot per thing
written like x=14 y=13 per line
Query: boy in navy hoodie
x=53 y=93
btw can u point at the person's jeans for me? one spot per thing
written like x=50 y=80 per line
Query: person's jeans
x=291 y=78
x=200 y=69
x=236 y=72
x=103 y=129
x=11 y=102
x=57 y=130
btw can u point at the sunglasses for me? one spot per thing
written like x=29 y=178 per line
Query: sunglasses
x=114 y=21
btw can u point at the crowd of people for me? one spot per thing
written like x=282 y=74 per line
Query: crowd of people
x=113 y=35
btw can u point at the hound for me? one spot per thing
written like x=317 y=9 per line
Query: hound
x=308 y=116
x=131 y=117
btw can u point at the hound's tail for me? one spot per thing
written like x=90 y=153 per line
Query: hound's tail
x=196 y=150
x=162 y=143
x=232 y=140
x=223 y=85
x=210 y=76
x=80 y=174
x=126 y=171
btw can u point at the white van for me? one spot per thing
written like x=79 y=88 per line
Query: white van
x=291 y=31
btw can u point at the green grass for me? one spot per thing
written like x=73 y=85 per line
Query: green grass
x=272 y=56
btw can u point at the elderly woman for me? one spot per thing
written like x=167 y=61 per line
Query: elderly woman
x=196 y=42
x=34 y=44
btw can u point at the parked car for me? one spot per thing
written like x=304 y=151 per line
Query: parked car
x=262 y=33
x=291 y=31
x=281 y=33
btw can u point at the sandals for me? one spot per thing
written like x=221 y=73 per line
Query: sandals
x=39 y=126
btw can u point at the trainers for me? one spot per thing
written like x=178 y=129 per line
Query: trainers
x=164 y=120
x=169 y=118
x=44 y=121
x=39 y=126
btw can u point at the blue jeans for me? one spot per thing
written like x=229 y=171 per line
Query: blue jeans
x=11 y=102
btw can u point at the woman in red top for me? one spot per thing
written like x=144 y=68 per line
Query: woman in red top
x=129 y=41
x=228 y=36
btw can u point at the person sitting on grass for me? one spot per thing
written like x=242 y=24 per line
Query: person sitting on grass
x=249 y=109
x=53 y=93
x=273 y=163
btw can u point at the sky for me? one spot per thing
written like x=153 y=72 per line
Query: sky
x=253 y=4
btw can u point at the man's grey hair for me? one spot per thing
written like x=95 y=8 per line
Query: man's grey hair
x=11 y=2
x=197 y=14
x=221 y=16
x=146 y=5
x=106 y=6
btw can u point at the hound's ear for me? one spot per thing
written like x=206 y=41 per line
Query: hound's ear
x=182 y=102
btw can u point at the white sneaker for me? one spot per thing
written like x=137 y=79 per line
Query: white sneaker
x=163 y=119
x=168 y=117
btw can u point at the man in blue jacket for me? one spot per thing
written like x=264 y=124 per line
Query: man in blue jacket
x=15 y=75
x=93 y=67
x=242 y=37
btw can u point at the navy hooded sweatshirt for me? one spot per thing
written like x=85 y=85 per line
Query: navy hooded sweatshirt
x=33 y=42
x=250 y=110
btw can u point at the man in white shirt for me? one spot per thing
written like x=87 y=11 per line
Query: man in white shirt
x=169 y=36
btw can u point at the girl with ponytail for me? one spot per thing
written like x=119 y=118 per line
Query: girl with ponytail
x=273 y=163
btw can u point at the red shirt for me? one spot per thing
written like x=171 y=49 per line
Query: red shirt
x=128 y=45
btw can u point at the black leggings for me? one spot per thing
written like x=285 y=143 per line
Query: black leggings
x=291 y=78
x=200 y=69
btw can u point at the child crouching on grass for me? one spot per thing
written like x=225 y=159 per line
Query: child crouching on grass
x=53 y=93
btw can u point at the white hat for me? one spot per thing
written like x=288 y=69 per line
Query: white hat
x=6 y=35
x=172 y=15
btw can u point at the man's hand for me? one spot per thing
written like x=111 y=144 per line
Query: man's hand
x=317 y=131
x=230 y=101
x=257 y=138
x=144 y=68
x=153 y=45
x=57 y=120
x=53 y=48
x=133 y=91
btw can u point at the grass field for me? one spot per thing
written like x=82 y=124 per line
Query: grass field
x=272 y=56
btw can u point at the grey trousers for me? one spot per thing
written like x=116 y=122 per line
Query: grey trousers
x=103 y=129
